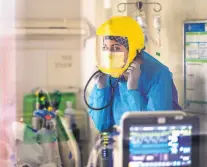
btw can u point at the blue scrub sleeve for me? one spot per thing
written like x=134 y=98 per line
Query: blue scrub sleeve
x=132 y=99
x=160 y=94
x=103 y=119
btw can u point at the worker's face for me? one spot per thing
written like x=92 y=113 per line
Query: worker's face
x=113 y=46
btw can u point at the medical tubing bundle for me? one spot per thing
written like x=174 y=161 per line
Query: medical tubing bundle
x=112 y=96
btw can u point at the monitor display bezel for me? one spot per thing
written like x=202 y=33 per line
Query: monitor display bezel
x=193 y=121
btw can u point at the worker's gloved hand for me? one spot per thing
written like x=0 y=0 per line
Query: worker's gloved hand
x=100 y=79
x=132 y=75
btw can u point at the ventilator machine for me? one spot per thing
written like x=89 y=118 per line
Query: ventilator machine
x=43 y=136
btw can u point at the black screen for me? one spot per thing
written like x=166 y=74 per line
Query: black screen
x=160 y=145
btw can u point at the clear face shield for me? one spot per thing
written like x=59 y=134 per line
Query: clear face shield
x=112 y=54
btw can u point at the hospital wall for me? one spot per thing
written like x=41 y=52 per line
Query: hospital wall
x=34 y=53
x=173 y=15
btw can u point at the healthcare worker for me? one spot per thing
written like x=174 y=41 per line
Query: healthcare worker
x=129 y=79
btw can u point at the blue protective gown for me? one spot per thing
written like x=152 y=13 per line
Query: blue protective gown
x=156 y=92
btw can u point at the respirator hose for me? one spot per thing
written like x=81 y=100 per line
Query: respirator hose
x=112 y=95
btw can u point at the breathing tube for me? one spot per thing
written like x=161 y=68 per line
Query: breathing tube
x=112 y=88
x=139 y=54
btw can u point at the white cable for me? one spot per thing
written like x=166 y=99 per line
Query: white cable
x=98 y=143
x=94 y=152
x=90 y=160
x=94 y=148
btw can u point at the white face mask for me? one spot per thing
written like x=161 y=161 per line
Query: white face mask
x=112 y=60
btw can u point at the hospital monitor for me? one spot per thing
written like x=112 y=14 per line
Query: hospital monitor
x=168 y=143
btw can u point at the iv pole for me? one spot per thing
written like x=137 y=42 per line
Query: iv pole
x=139 y=5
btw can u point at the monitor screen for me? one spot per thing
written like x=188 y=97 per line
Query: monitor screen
x=160 y=146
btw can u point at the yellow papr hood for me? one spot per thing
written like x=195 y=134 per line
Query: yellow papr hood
x=123 y=26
